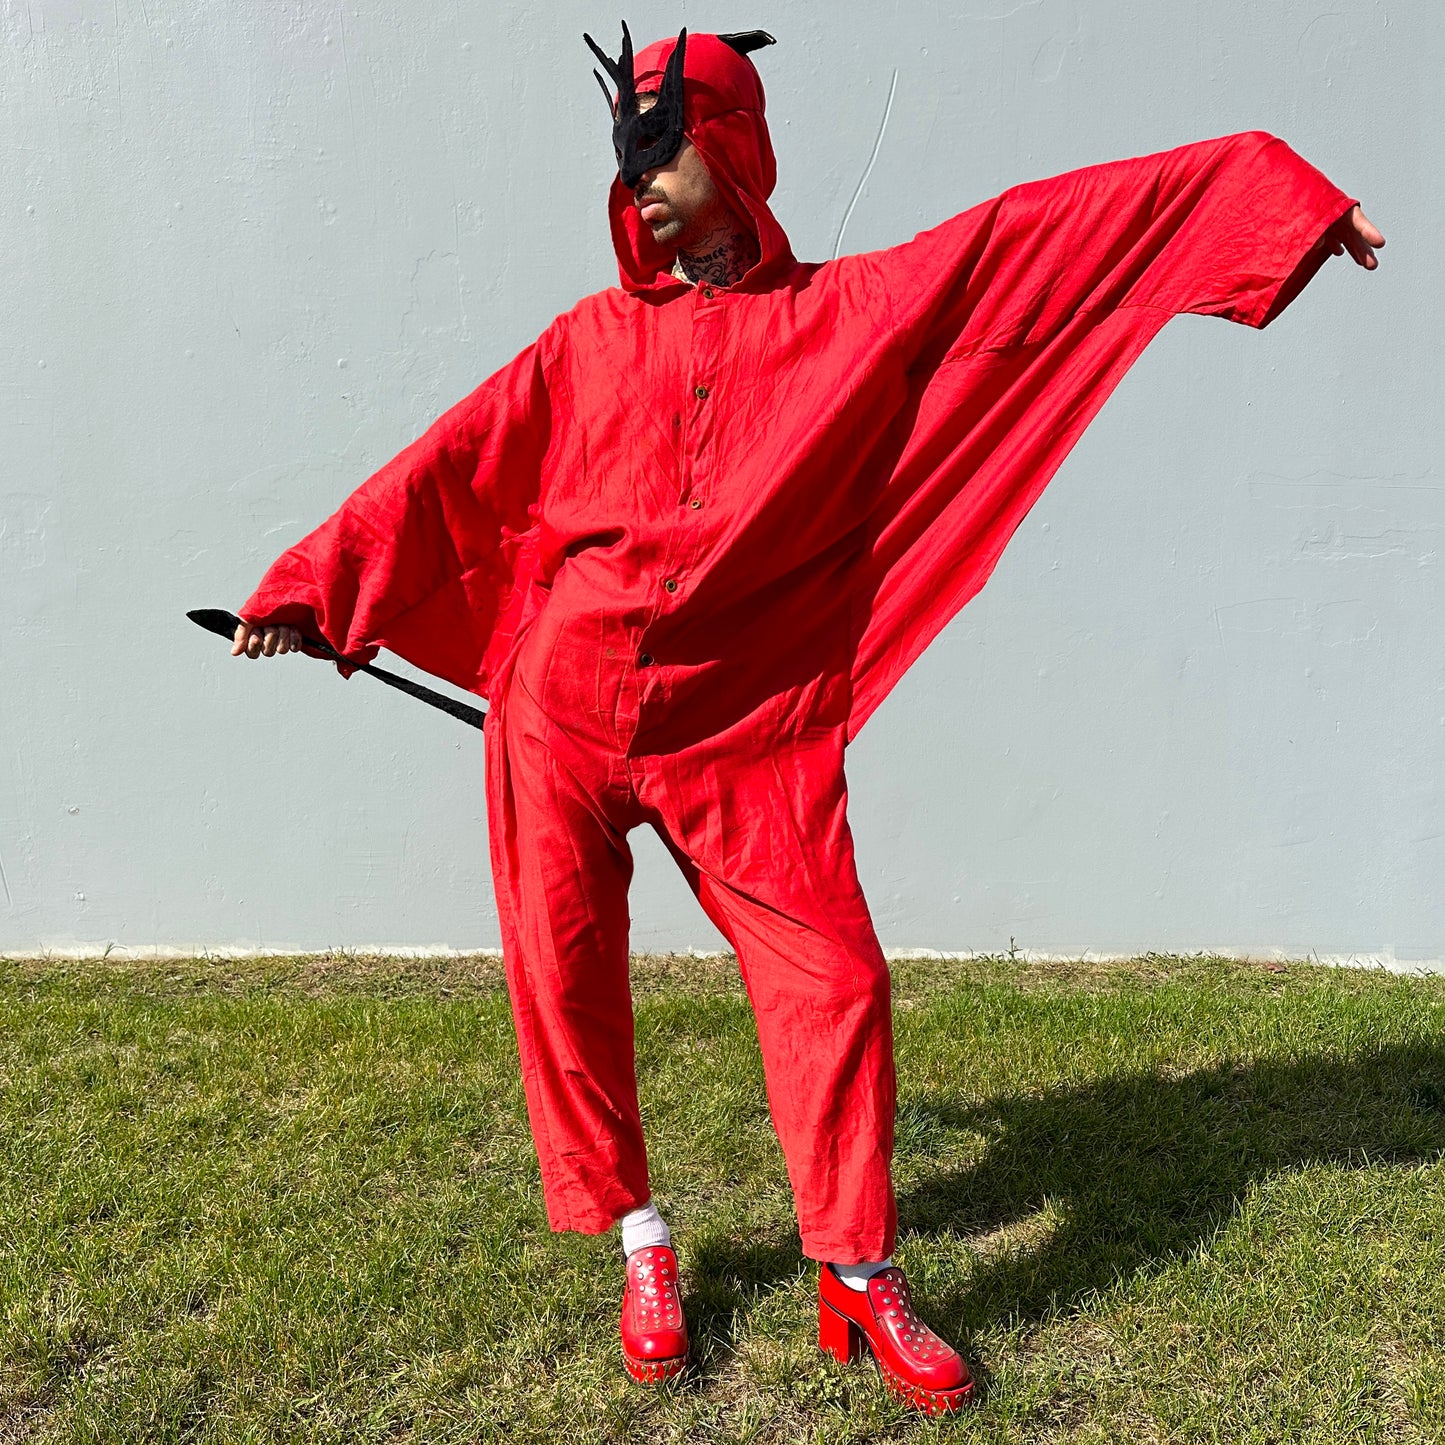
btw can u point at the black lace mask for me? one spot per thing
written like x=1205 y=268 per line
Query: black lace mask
x=642 y=139
x=648 y=138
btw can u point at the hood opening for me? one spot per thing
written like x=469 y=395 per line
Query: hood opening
x=723 y=105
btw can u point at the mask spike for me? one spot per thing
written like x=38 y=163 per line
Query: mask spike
x=642 y=143
x=672 y=76
x=626 y=76
x=608 y=64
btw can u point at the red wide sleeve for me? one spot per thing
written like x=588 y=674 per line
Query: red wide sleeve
x=1016 y=319
x=424 y=558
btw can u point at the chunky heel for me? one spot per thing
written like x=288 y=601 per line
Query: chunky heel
x=838 y=1336
x=925 y=1372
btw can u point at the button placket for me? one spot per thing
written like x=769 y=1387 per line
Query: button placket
x=709 y=325
x=684 y=544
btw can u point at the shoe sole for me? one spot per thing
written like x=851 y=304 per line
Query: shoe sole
x=654 y=1372
x=930 y=1402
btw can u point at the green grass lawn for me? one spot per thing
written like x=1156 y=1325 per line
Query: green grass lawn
x=297 y=1200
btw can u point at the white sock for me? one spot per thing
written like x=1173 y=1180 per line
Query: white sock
x=644 y=1227
x=856 y=1276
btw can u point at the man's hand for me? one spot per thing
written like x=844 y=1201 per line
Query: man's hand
x=1355 y=233
x=265 y=641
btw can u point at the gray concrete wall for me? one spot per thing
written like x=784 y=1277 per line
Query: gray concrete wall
x=252 y=250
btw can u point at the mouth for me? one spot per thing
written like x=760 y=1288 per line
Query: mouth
x=651 y=205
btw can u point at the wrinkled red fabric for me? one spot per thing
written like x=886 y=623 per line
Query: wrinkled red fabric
x=689 y=539
x=756 y=817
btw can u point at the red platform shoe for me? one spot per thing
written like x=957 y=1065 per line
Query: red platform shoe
x=654 y=1332
x=917 y=1365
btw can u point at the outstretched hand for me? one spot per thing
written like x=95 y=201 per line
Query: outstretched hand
x=1356 y=234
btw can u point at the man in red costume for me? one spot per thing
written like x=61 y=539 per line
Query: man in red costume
x=687 y=541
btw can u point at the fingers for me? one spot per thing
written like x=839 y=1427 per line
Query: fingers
x=1367 y=228
x=265 y=641
x=1363 y=254
x=1358 y=235
x=280 y=639
x=1361 y=236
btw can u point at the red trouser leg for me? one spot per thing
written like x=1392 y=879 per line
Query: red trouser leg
x=760 y=830
x=561 y=865
x=772 y=863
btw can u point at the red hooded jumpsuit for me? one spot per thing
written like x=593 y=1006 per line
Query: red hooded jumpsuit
x=688 y=540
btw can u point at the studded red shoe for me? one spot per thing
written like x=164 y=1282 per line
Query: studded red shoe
x=918 y=1367
x=654 y=1332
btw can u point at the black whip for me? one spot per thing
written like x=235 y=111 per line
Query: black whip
x=224 y=624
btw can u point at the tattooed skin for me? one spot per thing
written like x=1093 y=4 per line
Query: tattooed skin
x=721 y=258
x=713 y=246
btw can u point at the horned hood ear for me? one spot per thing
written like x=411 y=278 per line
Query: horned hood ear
x=747 y=41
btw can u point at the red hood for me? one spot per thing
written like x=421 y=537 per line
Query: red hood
x=723 y=117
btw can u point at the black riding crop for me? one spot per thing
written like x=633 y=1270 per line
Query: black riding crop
x=224 y=624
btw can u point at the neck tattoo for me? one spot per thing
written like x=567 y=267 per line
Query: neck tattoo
x=721 y=258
